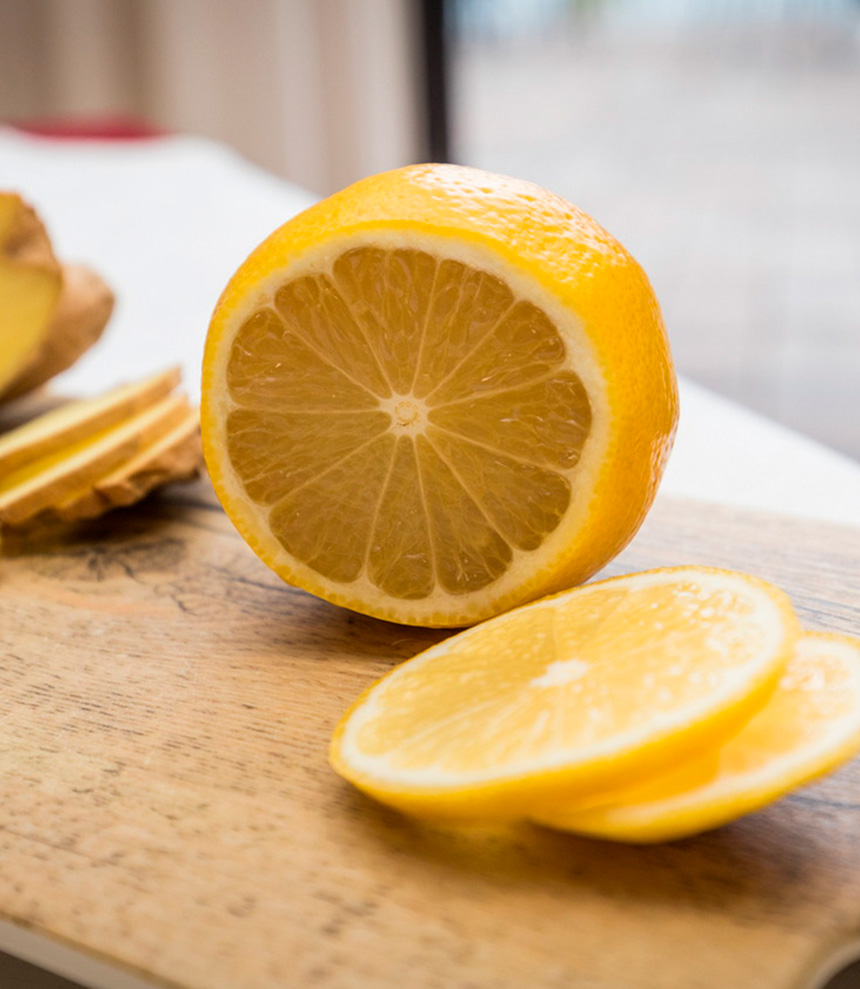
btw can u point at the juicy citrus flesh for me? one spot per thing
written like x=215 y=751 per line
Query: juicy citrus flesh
x=431 y=401
x=809 y=725
x=416 y=460
x=564 y=697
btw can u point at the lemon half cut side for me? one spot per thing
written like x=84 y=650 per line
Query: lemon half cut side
x=436 y=395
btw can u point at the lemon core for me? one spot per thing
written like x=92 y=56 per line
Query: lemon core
x=408 y=414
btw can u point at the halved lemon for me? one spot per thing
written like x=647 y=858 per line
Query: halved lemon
x=568 y=696
x=436 y=395
x=810 y=725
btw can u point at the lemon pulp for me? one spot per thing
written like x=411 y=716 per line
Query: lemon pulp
x=405 y=418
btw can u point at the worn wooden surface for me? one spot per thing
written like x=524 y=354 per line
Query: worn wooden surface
x=165 y=801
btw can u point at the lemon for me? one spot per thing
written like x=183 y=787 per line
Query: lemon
x=810 y=725
x=565 y=697
x=436 y=395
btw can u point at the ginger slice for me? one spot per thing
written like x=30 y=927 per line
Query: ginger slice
x=177 y=456
x=82 y=311
x=30 y=283
x=82 y=419
x=62 y=475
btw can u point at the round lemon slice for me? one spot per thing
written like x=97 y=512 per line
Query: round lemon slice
x=810 y=725
x=569 y=695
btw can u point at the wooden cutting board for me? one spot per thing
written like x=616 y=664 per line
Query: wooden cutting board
x=166 y=806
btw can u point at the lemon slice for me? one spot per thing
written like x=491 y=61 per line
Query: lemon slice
x=810 y=725
x=436 y=395
x=569 y=695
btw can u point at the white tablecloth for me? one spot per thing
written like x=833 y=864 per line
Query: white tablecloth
x=167 y=221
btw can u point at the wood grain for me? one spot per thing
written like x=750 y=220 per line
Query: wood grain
x=165 y=801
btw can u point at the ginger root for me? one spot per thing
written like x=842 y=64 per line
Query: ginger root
x=50 y=314
x=30 y=283
x=78 y=321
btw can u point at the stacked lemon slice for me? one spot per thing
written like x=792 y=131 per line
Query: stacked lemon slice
x=643 y=708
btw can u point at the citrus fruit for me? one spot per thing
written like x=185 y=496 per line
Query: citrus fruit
x=810 y=724
x=570 y=695
x=436 y=395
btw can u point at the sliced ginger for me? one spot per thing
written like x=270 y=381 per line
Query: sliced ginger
x=173 y=457
x=41 y=484
x=75 y=421
x=89 y=456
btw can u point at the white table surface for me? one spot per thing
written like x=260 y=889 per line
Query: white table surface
x=167 y=221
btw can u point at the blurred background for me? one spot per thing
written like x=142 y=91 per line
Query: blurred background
x=720 y=142
x=718 y=139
